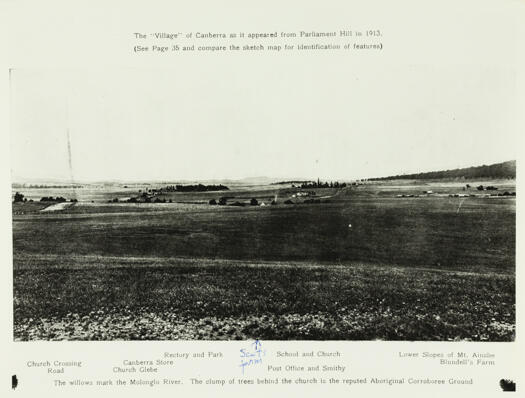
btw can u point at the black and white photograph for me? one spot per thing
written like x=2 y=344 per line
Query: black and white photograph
x=269 y=199
x=157 y=204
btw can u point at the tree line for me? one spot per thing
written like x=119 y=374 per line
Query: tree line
x=320 y=184
x=504 y=170
x=192 y=188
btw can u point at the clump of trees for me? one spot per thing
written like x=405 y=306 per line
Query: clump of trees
x=19 y=198
x=320 y=184
x=223 y=201
x=487 y=188
x=290 y=182
x=191 y=188
x=58 y=199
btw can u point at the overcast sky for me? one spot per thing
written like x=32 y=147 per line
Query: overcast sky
x=306 y=116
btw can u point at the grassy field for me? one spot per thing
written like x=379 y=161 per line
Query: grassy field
x=155 y=299
x=427 y=268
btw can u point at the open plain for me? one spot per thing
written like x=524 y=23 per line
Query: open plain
x=377 y=260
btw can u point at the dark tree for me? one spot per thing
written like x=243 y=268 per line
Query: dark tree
x=192 y=188
x=18 y=197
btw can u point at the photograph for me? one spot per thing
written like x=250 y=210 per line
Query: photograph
x=157 y=204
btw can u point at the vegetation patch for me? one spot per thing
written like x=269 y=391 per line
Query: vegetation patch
x=218 y=300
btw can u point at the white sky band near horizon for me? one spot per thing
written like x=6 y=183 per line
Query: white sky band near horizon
x=437 y=97
x=135 y=124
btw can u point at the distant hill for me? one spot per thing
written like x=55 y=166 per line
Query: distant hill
x=497 y=170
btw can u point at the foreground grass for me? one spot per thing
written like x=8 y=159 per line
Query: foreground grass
x=445 y=233
x=108 y=298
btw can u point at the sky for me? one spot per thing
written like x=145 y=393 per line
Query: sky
x=301 y=117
